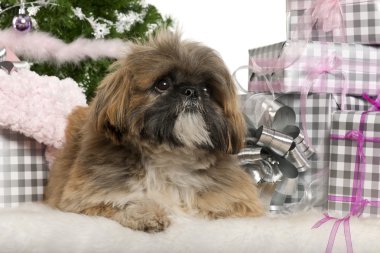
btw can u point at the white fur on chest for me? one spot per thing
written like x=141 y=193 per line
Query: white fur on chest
x=191 y=130
x=172 y=179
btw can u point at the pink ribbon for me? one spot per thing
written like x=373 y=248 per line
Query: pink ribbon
x=327 y=15
x=326 y=65
x=375 y=103
x=356 y=199
x=358 y=203
x=329 y=65
x=334 y=230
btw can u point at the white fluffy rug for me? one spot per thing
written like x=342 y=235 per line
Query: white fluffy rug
x=37 y=228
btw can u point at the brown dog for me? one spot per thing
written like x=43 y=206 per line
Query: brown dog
x=158 y=138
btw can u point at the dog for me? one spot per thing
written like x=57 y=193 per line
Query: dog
x=159 y=138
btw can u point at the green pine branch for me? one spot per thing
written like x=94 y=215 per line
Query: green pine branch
x=59 y=20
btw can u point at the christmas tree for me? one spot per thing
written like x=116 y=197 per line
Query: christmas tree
x=70 y=19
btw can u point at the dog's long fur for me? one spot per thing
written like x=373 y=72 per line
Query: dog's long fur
x=141 y=151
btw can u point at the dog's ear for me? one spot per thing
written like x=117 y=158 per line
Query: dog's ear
x=109 y=107
x=236 y=124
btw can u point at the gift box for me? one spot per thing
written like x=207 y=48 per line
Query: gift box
x=351 y=21
x=33 y=117
x=316 y=67
x=315 y=122
x=354 y=181
x=312 y=183
x=23 y=169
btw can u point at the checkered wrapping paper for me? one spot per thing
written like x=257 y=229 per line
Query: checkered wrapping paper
x=273 y=51
x=318 y=113
x=342 y=162
x=23 y=169
x=361 y=21
x=319 y=108
x=353 y=103
x=356 y=69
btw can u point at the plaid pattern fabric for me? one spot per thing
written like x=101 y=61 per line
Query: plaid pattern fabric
x=357 y=68
x=342 y=162
x=268 y=52
x=23 y=169
x=319 y=108
x=361 y=22
x=353 y=103
x=318 y=113
x=298 y=5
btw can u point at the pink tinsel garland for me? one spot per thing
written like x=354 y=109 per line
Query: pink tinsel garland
x=40 y=46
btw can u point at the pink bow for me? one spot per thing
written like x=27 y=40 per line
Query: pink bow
x=324 y=66
x=327 y=14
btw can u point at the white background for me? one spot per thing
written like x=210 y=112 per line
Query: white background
x=230 y=27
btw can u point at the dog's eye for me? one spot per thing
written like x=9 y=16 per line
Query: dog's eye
x=163 y=85
x=206 y=91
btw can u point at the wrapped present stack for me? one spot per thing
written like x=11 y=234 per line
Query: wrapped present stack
x=315 y=81
x=32 y=123
x=328 y=74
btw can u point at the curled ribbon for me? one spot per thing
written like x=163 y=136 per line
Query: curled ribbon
x=275 y=153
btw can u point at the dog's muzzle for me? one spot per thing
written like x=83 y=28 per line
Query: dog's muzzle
x=191 y=98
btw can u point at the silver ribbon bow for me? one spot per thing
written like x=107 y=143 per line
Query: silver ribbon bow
x=11 y=65
x=275 y=151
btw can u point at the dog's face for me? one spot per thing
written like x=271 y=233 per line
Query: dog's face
x=168 y=91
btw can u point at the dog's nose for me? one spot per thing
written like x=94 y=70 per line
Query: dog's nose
x=190 y=92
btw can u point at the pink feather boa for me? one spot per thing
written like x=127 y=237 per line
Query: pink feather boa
x=40 y=46
x=37 y=106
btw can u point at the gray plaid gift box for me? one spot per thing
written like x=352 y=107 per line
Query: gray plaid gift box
x=354 y=179
x=315 y=67
x=33 y=117
x=23 y=169
x=313 y=183
x=312 y=186
x=358 y=21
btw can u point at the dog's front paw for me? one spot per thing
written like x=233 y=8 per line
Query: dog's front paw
x=217 y=205
x=146 y=216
